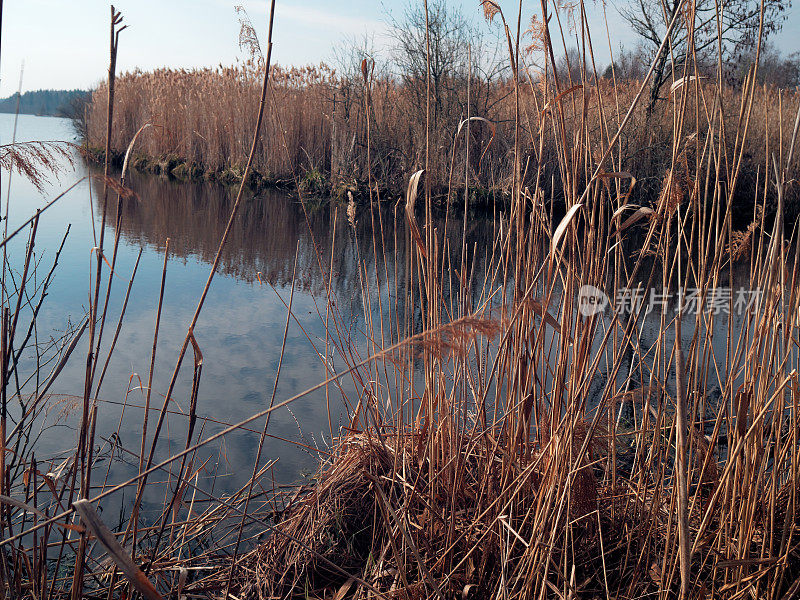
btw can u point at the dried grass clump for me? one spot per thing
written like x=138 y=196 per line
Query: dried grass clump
x=742 y=241
x=378 y=522
x=394 y=527
x=334 y=520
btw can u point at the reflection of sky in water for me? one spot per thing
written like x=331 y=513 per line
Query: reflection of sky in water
x=239 y=331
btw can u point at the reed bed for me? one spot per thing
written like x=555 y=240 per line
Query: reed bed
x=315 y=132
x=503 y=441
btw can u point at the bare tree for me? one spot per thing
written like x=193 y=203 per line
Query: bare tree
x=449 y=35
x=463 y=69
x=347 y=99
x=628 y=65
x=718 y=31
x=774 y=68
x=464 y=73
x=573 y=66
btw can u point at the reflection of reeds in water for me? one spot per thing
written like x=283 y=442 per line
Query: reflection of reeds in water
x=267 y=232
x=263 y=240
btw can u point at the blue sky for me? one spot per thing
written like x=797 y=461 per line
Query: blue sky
x=64 y=44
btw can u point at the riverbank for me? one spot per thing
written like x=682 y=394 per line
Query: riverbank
x=328 y=133
x=311 y=184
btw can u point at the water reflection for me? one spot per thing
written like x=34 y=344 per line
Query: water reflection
x=262 y=240
x=273 y=226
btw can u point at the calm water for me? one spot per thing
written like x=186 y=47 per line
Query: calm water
x=243 y=319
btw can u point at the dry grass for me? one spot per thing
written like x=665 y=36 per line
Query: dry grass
x=38 y=162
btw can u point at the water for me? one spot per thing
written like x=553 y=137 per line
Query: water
x=242 y=323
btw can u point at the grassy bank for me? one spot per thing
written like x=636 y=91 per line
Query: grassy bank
x=310 y=185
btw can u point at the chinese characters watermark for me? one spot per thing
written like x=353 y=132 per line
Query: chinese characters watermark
x=715 y=301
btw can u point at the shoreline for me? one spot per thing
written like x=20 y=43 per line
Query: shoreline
x=311 y=184
x=317 y=185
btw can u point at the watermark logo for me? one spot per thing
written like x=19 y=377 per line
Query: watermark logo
x=627 y=301
x=591 y=300
x=711 y=301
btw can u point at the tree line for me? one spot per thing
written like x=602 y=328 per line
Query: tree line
x=53 y=103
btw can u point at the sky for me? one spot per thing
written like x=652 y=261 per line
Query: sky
x=64 y=43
